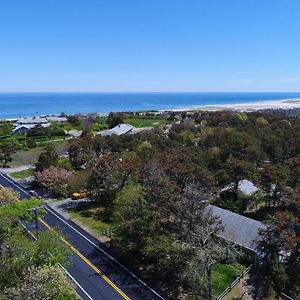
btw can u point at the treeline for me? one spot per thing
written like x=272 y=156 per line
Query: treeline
x=154 y=186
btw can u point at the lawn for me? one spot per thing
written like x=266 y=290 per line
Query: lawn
x=223 y=275
x=146 y=122
x=30 y=157
x=91 y=218
x=22 y=174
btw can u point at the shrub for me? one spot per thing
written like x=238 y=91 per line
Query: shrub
x=31 y=143
x=54 y=179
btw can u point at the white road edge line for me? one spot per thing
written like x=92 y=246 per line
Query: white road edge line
x=65 y=270
x=112 y=258
x=51 y=210
x=77 y=283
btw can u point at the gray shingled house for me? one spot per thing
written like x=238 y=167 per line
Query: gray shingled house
x=240 y=230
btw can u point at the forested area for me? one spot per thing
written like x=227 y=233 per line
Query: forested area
x=154 y=186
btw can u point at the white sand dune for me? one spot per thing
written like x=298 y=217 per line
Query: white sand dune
x=250 y=106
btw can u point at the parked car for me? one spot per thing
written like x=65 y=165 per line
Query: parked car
x=79 y=195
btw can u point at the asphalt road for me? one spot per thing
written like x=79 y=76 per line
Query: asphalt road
x=97 y=274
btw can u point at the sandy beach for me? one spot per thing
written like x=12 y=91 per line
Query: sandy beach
x=251 y=106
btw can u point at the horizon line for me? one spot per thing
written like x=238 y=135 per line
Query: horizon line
x=150 y=92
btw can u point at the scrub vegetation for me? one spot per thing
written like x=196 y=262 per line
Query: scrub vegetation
x=152 y=188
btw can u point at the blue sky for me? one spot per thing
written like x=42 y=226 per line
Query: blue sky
x=150 y=45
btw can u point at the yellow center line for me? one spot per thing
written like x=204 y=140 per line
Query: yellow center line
x=86 y=260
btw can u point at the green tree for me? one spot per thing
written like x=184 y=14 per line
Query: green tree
x=130 y=211
x=274 y=178
x=49 y=157
x=103 y=182
x=19 y=251
x=237 y=170
x=5 y=128
x=280 y=245
x=7 y=149
x=114 y=119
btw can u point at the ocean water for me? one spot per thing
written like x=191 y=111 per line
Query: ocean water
x=13 y=105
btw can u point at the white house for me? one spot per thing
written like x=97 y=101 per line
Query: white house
x=25 y=124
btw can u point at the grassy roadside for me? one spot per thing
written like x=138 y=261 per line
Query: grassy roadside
x=91 y=218
x=22 y=174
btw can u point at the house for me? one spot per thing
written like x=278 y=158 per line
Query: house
x=120 y=129
x=240 y=230
x=21 y=129
x=24 y=124
x=57 y=119
x=245 y=187
x=32 y=121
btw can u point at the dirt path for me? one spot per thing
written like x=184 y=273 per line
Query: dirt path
x=241 y=291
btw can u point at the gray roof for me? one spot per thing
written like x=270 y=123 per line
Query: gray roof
x=57 y=119
x=32 y=121
x=245 y=186
x=29 y=126
x=238 y=229
x=118 y=130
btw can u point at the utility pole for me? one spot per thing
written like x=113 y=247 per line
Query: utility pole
x=35 y=212
x=36 y=222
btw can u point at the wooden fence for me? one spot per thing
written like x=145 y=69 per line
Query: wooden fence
x=233 y=284
x=285 y=297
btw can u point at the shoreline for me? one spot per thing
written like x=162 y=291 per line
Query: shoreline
x=247 y=107
x=239 y=107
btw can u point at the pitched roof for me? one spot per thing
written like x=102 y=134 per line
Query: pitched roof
x=57 y=119
x=23 y=127
x=245 y=186
x=32 y=120
x=238 y=229
x=118 y=130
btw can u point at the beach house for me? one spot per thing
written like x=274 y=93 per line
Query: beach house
x=25 y=124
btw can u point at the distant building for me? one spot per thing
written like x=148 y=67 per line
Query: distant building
x=32 y=121
x=58 y=119
x=25 y=124
x=120 y=129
